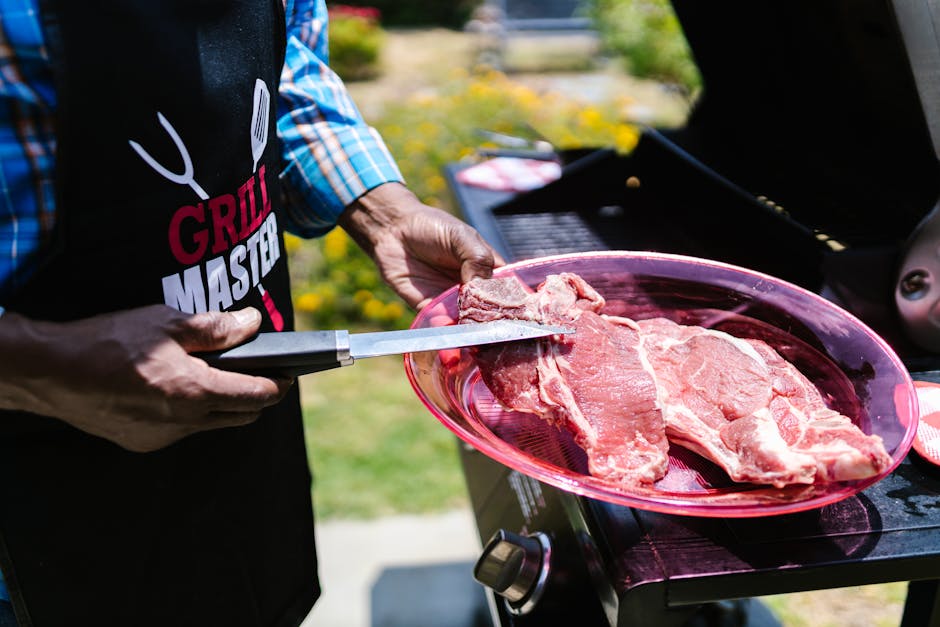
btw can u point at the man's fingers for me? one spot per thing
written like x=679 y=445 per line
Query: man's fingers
x=477 y=258
x=236 y=392
x=216 y=330
x=478 y=267
x=457 y=252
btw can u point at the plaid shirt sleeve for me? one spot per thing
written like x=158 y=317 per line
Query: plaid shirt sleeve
x=27 y=143
x=332 y=156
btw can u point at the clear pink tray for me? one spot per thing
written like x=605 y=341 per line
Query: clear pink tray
x=853 y=367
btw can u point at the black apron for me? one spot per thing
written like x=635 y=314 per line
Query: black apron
x=166 y=194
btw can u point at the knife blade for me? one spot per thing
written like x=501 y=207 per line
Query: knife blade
x=293 y=353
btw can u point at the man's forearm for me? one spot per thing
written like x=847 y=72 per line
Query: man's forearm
x=25 y=360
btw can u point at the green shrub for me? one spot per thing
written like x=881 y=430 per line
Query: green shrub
x=336 y=286
x=433 y=129
x=355 y=39
x=648 y=37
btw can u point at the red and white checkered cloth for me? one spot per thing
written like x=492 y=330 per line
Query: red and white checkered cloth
x=927 y=440
x=510 y=174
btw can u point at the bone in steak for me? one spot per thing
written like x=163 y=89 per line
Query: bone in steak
x=609 y=405
x=626 y=388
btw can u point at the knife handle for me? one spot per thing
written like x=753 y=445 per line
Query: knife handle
x=288 y=354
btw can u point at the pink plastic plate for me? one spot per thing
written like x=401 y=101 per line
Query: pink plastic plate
x=855 y=369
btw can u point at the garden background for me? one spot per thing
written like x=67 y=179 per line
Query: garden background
x=429 y=82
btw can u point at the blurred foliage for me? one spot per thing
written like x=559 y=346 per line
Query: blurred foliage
x=451 y=14
x=435 y=128
x=355 y=40
x=336 y=284
x=647 y=36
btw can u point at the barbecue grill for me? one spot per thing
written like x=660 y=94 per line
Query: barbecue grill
x=810 y=158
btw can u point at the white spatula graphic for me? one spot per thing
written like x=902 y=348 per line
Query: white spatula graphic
x=259 y=139
x=259 y=121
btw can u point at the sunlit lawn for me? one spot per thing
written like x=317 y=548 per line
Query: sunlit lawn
x=857 y=606
x=373 y=446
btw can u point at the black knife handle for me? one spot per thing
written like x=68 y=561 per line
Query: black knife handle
x=288 y=354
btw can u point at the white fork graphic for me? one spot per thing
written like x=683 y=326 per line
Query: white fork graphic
x=186 y=178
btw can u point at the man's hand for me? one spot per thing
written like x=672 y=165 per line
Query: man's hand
x=419 y=250
x=128 y=376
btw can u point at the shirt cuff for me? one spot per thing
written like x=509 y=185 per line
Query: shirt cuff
x=323 y=179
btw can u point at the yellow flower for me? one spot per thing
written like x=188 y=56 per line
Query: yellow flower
x=570 y=140
x=481 y=90
x=393 y=311
x=292 y=243
x=625 y=137
x=308 y=302
x=373 y=309
x=335 y=245
x=590 y=117
x=362 y=296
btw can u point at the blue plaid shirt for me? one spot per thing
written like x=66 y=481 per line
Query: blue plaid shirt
x=332 y=155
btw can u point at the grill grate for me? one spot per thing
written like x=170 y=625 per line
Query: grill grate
x=530 y=235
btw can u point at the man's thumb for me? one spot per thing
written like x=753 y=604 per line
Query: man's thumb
x=216 y=330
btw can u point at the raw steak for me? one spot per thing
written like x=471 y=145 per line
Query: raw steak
x=622 y=387
x=841 y=450
x=609 y=405
x=741 y=405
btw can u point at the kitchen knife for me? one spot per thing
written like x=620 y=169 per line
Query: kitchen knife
x=294 y=353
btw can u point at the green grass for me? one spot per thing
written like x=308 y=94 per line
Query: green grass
x=857 y=606
x=373 y=446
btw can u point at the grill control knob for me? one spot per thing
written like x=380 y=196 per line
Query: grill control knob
x=516 y=568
